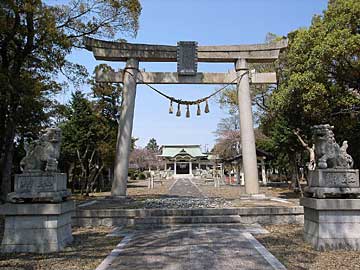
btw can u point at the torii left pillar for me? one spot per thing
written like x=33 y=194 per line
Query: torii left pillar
x=123 y=143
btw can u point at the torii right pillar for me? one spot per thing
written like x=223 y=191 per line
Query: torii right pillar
x=247 y=135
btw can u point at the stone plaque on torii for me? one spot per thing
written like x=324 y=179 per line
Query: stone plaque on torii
x=186 y=54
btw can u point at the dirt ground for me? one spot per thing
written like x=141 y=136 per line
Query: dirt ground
x=88 y=250
x=232 y=193
x=136 y=189
x=138 y=192
x=285 y=242
x=139 y=188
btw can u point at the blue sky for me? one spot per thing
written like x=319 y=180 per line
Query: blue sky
x=209 y=22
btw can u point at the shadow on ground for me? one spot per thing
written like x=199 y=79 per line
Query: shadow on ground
x=286 y=243
x=89 y=248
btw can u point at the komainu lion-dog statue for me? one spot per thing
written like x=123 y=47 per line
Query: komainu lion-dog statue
x=329 y=154
x=42 y=154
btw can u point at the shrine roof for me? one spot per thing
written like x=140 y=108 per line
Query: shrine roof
x=174 y=150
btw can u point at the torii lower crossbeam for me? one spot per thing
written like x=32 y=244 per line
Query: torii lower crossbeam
x=175 y=78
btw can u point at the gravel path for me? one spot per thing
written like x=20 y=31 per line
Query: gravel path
x=185 y=188
x=186 y=202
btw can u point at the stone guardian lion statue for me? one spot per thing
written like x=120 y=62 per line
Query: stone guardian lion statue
x=43 y=154
x=329 y=154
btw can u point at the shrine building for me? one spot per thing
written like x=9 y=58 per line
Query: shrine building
x=185 y=159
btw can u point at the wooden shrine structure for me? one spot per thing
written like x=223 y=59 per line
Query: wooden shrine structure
x=187 y=54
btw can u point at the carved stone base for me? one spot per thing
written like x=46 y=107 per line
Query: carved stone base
x=333 y=183
x=39 y=186
x=318 y=192
x=331 y=224
x=35 y=227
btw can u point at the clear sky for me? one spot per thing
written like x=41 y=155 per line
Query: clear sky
x=209 y=22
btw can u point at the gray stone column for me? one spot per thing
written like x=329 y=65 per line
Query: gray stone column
x=246 y=129
x=125 y=130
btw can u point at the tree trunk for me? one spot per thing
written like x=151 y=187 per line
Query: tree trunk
x=83 y=176
x=7 y=162
x=93 y=179
x=71 y=178
x=295 y=181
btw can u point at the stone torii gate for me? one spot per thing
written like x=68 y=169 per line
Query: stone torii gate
x=186 y=54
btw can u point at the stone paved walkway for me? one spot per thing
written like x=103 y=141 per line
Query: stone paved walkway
x=190 y=248
x=185 y=188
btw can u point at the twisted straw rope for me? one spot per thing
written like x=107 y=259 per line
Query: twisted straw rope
x=180 y=101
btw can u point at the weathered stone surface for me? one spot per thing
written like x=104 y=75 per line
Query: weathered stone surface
x=175 y=78
x=39 y=228
x=319 y=192
x=123 y=144
x=334 y=178
x=187 y=58
x=332 y=223
x=27 y=209
x=40 y=182
x=264 y=215
x=97 y=43
x=40 y=185
x=332 y=243
x=333 y=182
x=38 y=222
x=43 y=154
x=329 y=153
x=248 y=149
x=121 y=51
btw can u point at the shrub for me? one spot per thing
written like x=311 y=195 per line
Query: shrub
x=133 y=173
x=141 y=176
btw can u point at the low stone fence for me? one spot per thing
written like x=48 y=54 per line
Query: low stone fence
x=246 y=215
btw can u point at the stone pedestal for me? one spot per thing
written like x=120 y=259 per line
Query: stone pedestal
x=333 y=183
x=35 y=227
x=42 y=186
x=332 y=223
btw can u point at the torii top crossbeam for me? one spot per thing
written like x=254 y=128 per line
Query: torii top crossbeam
x=121 y=51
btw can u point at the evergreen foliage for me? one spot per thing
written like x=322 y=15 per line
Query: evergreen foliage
x=152 y=146
x=319 y=82
x=35 y=39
